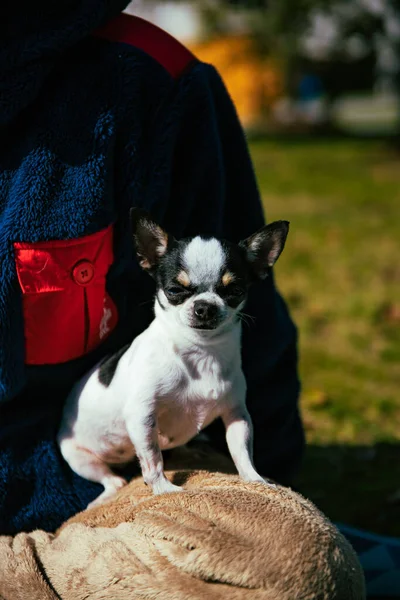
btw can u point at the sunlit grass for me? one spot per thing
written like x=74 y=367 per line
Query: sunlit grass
x=340 y=274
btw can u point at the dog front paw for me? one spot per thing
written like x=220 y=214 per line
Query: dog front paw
x=258 y=479
x=269 y=483
x=166 y=487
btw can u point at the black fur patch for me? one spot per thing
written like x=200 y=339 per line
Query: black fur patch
x=149 y=422
x=170 y=267
x=236 y=263
x=109 y=365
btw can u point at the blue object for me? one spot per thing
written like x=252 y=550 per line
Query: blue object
x=88 y=129
x=380 y=558
x=310 y=87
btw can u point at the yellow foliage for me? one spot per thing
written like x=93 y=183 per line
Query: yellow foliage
x=253 y=82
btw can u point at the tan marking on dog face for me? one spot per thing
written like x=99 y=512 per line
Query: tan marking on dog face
x=183 y=279
x=227 y=278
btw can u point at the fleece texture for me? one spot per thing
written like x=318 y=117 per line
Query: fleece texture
x=220 y=538
x=89 y=128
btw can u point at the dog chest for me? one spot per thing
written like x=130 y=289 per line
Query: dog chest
x=179 y=424
x=193 y=403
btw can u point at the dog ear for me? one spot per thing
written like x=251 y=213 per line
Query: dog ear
x=264 y=247
x=150 y=240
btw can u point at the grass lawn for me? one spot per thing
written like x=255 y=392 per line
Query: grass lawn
x=340 y=274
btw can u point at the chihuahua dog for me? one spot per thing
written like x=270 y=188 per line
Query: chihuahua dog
x=183 y=371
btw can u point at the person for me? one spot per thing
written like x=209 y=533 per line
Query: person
x=101 y=111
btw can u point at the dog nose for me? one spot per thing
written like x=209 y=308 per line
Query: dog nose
x=205 y=311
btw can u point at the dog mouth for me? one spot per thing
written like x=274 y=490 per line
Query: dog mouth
x=206 y=325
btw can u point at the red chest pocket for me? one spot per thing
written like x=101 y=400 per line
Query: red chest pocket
x=67 y=311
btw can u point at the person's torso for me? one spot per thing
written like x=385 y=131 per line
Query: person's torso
x=71 y=165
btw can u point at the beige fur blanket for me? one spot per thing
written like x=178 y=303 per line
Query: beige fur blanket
x=221 y=538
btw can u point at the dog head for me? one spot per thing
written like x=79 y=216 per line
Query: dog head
x=202 y=282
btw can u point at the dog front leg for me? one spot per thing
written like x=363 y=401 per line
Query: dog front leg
x=144 y=436
x=239 y=437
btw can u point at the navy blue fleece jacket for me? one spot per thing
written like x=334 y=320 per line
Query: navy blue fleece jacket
x=90 y=127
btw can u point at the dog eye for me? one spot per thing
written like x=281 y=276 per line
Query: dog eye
x=235 y=290
x=174 y=291
x=231 y=291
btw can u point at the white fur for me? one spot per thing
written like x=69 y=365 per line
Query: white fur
x=180 y=377
x=203 y=260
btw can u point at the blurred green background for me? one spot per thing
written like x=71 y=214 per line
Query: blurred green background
x=316 y=85
x=340 y=274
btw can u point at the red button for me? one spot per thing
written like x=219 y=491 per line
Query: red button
x=83 y=272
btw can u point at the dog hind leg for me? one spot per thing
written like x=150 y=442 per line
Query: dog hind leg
x=91 y=467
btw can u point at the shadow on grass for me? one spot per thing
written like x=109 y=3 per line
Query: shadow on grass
x=356 y=485
x=329 y=134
